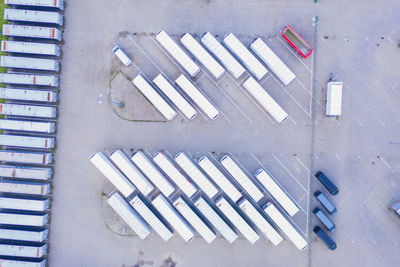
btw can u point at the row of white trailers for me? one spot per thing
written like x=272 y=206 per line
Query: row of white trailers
x=139 y=173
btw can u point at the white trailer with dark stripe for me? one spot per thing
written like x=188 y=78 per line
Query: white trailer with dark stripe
x=32 y=32
x=25 y=172
x=15 y=203
x=25 y=188
x=151 y=218
x=24 y=94
x=245 y=56
x=187 y=212
x=105 y=166
x=238 y=174
x=29 y=63
x=202 y=55
x=22 y=263
x=177 y=53
x=29 y=126
x=59 y=4
x=29 y=79
x=23 y=235
x=26 y=157
x=173 y=217
x=265 y=100
x=30 y=48
x=23 y=250
x=23 y=219
x=34 y=16
x=28 y=110
x=176 y=176
x=154 y=97
x=27 y=141
x=212 y=216
x=197 y=96
x=129 y=215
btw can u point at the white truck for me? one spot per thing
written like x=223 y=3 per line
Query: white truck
x=30 y=63
x=29 y=79
x=34 y=16
x=27 y=141
x=22 y=263
x=30 y=48
x=23 y=219
x=28 y=126
x=28 y=110
x=41 y=158
x=32 y=32
x=334 y=99
x=23 y=235
x=23 y=250
x=25 y=188
x=23 y=94
x=18 y=203
x=121 y=55
x=26 y=172
x=59 y=4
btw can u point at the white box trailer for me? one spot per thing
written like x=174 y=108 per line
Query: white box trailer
x=32 y=32
x=219 y=51
x=176 y=176
x=151 y=218
x=27 y=141
x=29 y=126
x=15 y=203
x=177 y=53
x=334 y=99
x=22 y=263
x=262 y=50
x=197 y=96
x=37 y=3
x=29 y=63
x=41 y=158
x=195 y=174
x=290 y=232
x=212 y=216
x=277 y=192
x=34 y=16
x=219 y=178
x=129 y=215
x=24 y=94
x=265 y=100
x=23 y=235
x=24 y=187
x=30 y=48
x=28 y=110
x=23 y=250
x=105 y=166
x=25 y=172
x=155 y=176
x=202 y=55
x=260 y=222
x=174 y=96
x=154 y=97
x=237 y=220
x=29 y=79
x=238 y=174
x=187 y=212
x=131 y=172
x=23 y=219
x=245 y=56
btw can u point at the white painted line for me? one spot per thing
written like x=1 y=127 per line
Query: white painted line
x=303 y=164
x=302 y=85
x=384 y=162
x=293 y=53
x=377 y=80
x=337 y=156
x=283 y=166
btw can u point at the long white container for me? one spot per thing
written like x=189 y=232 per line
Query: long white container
x=276 y=191
x=29 y=63
x=28 y=94
x=130 y=171
x=29 y=79
x=14 y=203
x=245 y=56
x=129 y=215
x=176 y=176
x=28 y=110
x=266 y=101
x=283 y=224
x=197 y=96
x=219 y=178
x=30 y=126
x=174 y=96
x=209 y=213
x=187 y=212
x=30 y=48
x=173 y=217
x=262 y=50
x=22 y=187
x=155 y=176
x=260 y=222
x=104 y=165
x=38 y=3
x=177 y=53
x=25 y=172
x=27 y=141
x=237 y=220
x=148 y=215
x=202 y=55
x=23 y=235
x=22 y=263
x=33 y=16
x=217 y=49
x=23 y=251
x=32 y=32
x=197 y=176
x=23 y=219
x=334 y=99
x=26 y=157
x=151 y=94
x=236 y=172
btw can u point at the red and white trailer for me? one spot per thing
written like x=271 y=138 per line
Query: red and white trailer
x=296 y=41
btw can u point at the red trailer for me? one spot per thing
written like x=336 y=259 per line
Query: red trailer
x=296 y=41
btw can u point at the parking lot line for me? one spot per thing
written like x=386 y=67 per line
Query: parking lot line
x=293 y=53
x=287 y=170
x=384 y=162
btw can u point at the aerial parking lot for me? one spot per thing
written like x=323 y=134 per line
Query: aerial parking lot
x=101 y=110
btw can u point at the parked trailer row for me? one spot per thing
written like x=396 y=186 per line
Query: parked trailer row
x=23 y=250
x=29 y=126
x=29 y=79
x=28 y=110
x=25 y=172
x=14 y=203
x=30 y=48
x=23 y=219
x=23 y=235
x=24 y=157
x=24 y=187
x=33 y=16
x=23 y=94
x=22 y=263
x=37 y=3
x=32 y=32
x=30 y=63
x=27 y=141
